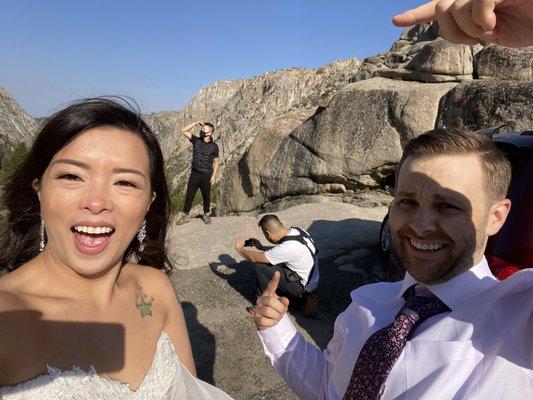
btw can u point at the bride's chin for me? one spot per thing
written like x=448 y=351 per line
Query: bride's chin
x=92 y=268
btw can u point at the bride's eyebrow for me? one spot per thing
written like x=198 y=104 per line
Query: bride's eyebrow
x=128 y=170
x=87 y=166
x=71 y=162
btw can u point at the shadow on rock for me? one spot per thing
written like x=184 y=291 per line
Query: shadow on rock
x=203 y=343
x=336 y=240
x=239 y=275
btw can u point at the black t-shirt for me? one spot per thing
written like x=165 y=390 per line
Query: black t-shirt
x=203 y=154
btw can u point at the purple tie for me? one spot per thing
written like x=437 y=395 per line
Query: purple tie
x=383 y=348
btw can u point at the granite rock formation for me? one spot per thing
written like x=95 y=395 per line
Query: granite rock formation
x=15 y=125
x=352 y=142
x=240 y=108
x=345 y=146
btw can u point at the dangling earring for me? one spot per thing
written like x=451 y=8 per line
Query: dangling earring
x=41 y=232
x=141 y=235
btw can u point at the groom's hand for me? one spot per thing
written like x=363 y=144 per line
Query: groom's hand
x=270 y=308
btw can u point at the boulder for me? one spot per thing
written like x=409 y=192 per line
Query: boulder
x=240 y=184
x=15 y=125
x=481 y=104
x=441 y=57
x=418 y=33
x=504 y=63
x=419 y=55
x=347 y=143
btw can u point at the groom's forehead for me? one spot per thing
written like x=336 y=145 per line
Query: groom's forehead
x=441 y=176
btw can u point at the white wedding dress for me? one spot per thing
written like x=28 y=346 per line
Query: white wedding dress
x=167 y=379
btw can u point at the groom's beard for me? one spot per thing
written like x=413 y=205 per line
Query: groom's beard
x=460 y=258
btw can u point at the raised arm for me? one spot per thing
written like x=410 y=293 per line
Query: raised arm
x=187 y=130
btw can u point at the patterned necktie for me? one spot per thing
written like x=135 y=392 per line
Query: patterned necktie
x=383 y=348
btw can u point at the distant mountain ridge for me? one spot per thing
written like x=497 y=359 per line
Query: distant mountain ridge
x=15 y=124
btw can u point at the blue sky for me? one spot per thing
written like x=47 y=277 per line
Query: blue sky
x=162 y=52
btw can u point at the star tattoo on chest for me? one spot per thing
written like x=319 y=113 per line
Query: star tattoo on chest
x=144 y=303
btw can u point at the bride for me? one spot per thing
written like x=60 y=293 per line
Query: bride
x=78 y=318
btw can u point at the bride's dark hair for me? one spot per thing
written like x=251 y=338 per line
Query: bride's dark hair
x=19 y=241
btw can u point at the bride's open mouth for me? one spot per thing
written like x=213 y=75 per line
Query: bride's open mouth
x=92 y=239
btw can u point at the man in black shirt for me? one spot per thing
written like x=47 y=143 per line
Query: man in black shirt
x=203 y=170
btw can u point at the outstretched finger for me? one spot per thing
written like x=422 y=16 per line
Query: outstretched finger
x=424 y=13
x=272 y=285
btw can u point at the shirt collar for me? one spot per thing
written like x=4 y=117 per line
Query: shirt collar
x=460 y=288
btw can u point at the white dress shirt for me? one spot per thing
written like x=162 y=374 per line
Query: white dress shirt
x=481 y=349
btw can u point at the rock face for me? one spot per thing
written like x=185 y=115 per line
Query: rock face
x=351 y=142
x=239 y=109
x=15 y=125
x=504 y=63
x=346 y=146
x=480 y=104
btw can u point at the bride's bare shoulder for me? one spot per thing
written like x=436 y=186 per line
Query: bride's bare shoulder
x=19 y=281
x=10 y=301
x=151 y=278
x=10 y=297
x=154 y=284
x=15 y=307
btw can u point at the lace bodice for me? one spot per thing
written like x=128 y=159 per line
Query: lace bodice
x=167 y=378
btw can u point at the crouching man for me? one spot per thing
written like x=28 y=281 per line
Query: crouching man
x=293 y=255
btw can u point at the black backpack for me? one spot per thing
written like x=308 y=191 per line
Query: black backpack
x=301 y=239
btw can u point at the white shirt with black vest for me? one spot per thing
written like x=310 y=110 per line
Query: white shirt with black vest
x=298 y=258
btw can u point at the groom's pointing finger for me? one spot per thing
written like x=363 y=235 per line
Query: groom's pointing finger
x=424 y=13
x=272 y=285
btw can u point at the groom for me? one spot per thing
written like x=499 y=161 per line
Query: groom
x=449 y=329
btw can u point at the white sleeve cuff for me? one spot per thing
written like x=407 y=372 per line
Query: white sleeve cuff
x=277 y=338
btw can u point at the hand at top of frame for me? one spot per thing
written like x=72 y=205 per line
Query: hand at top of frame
x=504 y=22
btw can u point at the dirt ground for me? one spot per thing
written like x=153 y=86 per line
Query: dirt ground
x=215 y=285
